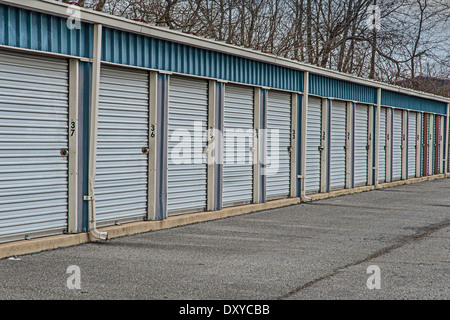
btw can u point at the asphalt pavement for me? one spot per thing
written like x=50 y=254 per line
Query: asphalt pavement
x=378 y=245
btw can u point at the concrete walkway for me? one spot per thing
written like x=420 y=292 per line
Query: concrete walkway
x=317 y=250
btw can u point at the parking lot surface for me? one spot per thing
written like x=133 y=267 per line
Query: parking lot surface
x=384 y=244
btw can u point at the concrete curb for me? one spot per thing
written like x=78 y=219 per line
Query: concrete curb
x=66 y=240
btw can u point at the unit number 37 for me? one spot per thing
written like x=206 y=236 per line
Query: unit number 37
x=72 y=128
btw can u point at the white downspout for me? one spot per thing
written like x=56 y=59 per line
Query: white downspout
x=94 y=131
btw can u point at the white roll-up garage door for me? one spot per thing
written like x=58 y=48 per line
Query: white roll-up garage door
x=424 y=146
x=434 y=148
x=361 y=143
x=439 y=142
x=238 y=146
x=278 y=144
x=121 y=179
x=313 y=143
x=337 y=145
x=397 y=131
x=33 y=131
x=430 y=144
x=412 y=138
x=187 y=166
x=382 y=152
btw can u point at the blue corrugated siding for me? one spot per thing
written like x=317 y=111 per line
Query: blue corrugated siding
x=37 y=31
x=399 y=100
x=339 y=89
x=141 y=51
x=84 y=102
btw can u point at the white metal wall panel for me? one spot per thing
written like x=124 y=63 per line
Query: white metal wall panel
x=397 y=132
x=278 y=145
x=33 y=130
x=361 y=143
x=338 y=143
x=382 y=152
x=187 y=166
x=238 y=146
x=412 y=138
x=121 y=180
x=313 y=143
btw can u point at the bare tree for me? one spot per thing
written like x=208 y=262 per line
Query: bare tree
x=330 y=33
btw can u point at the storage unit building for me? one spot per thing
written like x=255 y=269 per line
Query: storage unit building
x=119 y=121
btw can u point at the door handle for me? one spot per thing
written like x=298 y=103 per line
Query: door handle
x=64 y=152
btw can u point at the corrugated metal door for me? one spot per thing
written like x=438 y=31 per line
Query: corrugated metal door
x=338 y=145
x=425 y=126
x=382 y=152
x=278 y=144
x=313 y=144
x=33 y=131
x=420 y=143
x=412 y=144
x=432 y=145
x=238 y=146
x=437 y=143
x=187 y=166
x=121 y=180
x=429 y=144
x=361 y=144
x=397 y=132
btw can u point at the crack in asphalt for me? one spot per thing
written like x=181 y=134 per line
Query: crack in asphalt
x=406 y=240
